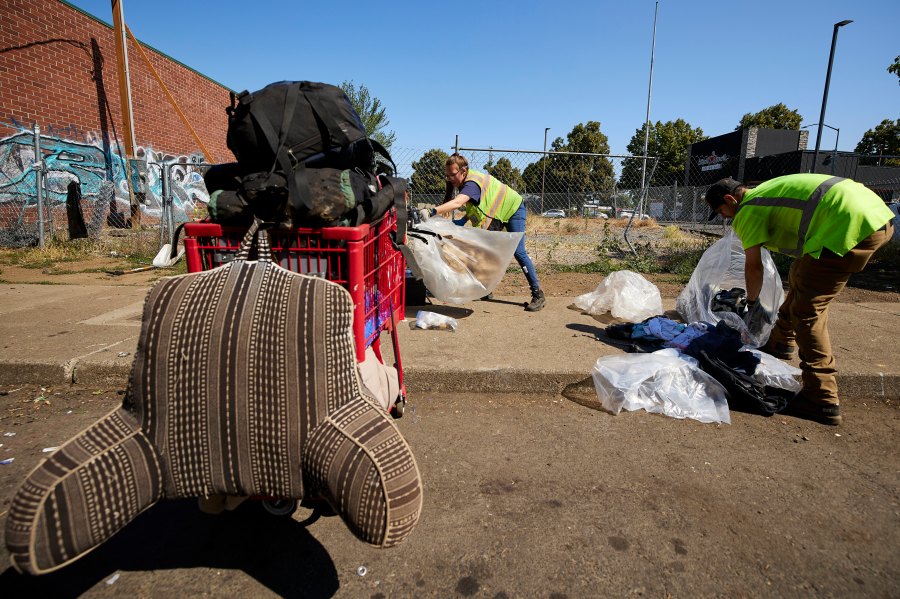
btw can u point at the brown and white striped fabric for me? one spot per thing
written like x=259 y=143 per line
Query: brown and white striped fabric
x=244 y=382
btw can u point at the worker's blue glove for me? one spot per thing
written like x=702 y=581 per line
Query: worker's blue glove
x=756 y=317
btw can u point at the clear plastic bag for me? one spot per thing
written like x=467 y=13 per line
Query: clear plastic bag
x=776 y=373
x=722 y=267
x=626 y=295
x=461 y=264
x=665 y=382
x=433 y=320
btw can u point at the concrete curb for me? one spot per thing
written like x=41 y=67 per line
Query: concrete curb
x=417 y=380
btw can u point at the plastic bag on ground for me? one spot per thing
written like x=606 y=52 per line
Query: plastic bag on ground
x=722 y=267
x=776 y=373
x=664 y=382
x=626 y=295
x=433 y=320
x=460 y=264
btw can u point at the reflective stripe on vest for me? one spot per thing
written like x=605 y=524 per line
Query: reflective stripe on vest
x=483 y=180
x=808 y=206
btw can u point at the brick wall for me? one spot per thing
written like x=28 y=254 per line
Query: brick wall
x=58 y=69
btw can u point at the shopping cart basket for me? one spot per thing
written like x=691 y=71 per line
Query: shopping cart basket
x=363 y=259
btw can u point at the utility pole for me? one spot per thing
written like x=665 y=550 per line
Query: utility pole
x=125 y=103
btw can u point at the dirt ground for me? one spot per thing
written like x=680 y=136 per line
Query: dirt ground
x=525 y=496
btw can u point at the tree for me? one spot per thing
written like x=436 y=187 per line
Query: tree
x=883 y=140
x=895 y=69
x=428 y=173
x=778 y=116
x=574 y=174
x=669 y=143
x=505 y=172
x=371 y=112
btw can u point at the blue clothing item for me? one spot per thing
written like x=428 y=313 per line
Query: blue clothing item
x=516 y=224
x=471 y=189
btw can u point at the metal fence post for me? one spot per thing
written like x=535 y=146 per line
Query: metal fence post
x=39 y=183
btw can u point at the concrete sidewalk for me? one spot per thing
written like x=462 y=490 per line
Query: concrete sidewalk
x=53 y=334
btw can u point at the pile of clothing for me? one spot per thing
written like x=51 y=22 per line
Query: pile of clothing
x=720 y=353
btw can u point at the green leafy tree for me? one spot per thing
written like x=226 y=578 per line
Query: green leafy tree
x=895 y=69
x=669 y=143
x=883 y=140
x=574 y=174
x=778 y=116
x=505 y=172
x=371 y=112
x=428 y=173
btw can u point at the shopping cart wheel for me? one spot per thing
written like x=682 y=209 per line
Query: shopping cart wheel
x=280 y=507
x=399 y=407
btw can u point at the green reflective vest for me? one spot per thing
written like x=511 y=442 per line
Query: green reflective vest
x=806 y=213
x=498 y=200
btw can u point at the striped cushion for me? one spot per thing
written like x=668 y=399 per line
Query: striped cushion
x=244 y=382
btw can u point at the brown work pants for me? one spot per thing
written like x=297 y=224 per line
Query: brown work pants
x=803 y=317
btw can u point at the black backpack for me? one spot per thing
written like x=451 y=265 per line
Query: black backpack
x=286 y=128
x=744 y=392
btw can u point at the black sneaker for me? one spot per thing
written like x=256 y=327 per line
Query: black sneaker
x=825 y=413
x=537 y=301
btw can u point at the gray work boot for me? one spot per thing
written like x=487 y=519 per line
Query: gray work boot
x=537 y=301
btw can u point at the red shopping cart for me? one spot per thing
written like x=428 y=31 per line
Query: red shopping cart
x=364 y=260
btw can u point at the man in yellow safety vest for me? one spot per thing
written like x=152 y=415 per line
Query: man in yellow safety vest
x=831 y=226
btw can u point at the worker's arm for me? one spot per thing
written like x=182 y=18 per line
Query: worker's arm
x=454 y=204
x=753 y=271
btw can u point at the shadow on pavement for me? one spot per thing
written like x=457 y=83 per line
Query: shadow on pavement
x=276 y=551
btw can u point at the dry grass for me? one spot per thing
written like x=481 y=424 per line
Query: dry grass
x=131 y=247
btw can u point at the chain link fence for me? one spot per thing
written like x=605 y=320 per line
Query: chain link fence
x=53 y=190
x=582 y=207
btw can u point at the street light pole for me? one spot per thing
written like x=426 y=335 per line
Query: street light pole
x=837 y=136
x=649 y=90
x=544 y=169
x=825 y=94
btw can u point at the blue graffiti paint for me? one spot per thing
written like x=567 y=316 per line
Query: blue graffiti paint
x=85 y=162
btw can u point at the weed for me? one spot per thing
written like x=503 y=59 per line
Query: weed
x=673 y=233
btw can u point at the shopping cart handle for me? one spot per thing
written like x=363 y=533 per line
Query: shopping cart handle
x=346 y=233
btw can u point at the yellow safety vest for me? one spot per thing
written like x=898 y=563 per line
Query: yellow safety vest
x=498 y=200
x=805 y=213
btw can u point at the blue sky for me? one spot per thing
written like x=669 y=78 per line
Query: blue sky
x=497 y=73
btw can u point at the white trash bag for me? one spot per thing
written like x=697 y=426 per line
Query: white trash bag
x=776 y=373
x=433 y=320
x=626 y=295
x=722 y=268
x=665 y=382
x=460 y=264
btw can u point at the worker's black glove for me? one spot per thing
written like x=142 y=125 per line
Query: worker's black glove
x=756 y=317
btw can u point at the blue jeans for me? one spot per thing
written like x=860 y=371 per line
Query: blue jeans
x=516 y=224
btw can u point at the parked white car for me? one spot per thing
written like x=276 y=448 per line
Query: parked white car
x=554 y=214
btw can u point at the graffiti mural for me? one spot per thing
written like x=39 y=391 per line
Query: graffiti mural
x=83 y=160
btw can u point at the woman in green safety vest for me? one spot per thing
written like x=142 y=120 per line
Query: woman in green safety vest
x=489 y=204
x=832 y=226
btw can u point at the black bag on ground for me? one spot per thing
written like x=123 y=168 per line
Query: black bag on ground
x=745 y=393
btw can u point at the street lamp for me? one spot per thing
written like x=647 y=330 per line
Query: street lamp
x=544 y=170
x=837 y=136
x=827 y=83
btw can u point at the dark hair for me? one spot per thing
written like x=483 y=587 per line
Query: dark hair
x=715 y=195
